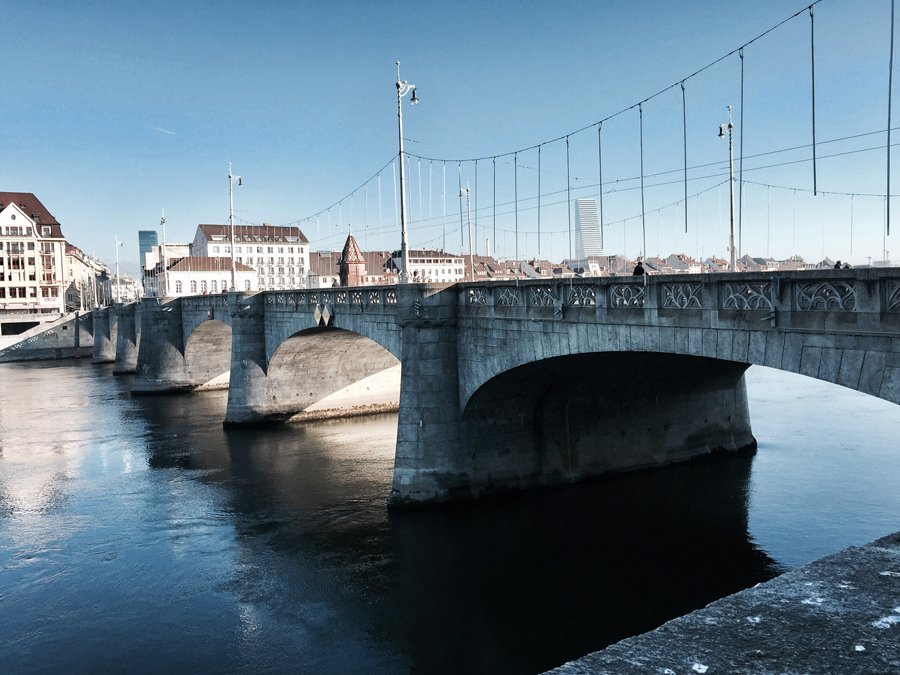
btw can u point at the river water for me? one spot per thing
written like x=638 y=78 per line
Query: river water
x=136 y=535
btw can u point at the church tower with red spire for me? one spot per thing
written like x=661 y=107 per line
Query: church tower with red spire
x=352 y=265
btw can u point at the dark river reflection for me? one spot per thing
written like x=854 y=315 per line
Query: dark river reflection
x=137 y=535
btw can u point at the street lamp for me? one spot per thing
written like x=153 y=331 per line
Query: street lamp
x=469 y=211
x=231 y=180
x=722 y=128
x=402 y=89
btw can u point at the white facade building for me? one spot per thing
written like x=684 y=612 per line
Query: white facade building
x=588 y=237
x=427 y=266
x=203 y=276
x=278 y=255
x=32 y=257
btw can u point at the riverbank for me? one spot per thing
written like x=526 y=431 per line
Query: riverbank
x=839 y=614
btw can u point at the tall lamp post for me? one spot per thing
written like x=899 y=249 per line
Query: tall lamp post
x=730 y=128
x=402 y=89
x=469 y=212
x=231 y=180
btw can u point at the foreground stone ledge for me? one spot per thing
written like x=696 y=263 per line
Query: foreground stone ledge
x=837 y=615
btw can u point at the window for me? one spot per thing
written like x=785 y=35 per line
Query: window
x=203 y=285
x=54 y=292
x=281 y=281
x=30 y=245
x=193 y=286
x=271 y=271
x=215 y=249
x=281 y=249
x=280 y=270
x=237 y=249
x=259 y=248
x=47 y=248
x=227 y=249
x=259 y=261
x=290 y=249
x=247 y=285
x=178 y=287
x=290 y=261
x=271 y=261
x=224 y=285
x=271 y=249
x=238 y=259
x=281 y=261
x=261 y=271
x=212 y=286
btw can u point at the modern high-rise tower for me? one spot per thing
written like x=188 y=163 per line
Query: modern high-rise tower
x=588 y=238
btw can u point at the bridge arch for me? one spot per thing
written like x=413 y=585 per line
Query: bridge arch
x=207 y=354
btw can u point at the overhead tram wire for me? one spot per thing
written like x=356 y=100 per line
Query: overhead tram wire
x=699 y=178
x=635 y=105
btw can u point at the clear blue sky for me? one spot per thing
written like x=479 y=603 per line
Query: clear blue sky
x=115 y=111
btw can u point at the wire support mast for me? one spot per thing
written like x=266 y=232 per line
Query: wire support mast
x=890 y=91
x=812 y=45
x=643 y=216
x=684 y=136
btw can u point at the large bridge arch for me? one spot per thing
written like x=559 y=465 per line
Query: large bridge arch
x=207 y=354
x=563 y=418
x=326 y=368
x=297 y=352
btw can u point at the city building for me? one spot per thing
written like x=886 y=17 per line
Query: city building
x=588 y=237
x=202 y=276
x=325 y=269
x=86 y=280
x=152 y=264
x=278 y=255
x=146 y=241
x=431 y=266
x=32 y=253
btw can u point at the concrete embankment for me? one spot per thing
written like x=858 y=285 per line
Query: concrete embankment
x=837 y=615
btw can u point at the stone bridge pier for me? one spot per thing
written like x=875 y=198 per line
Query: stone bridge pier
x=185 y=344
x=127 y=338
x=105 y=335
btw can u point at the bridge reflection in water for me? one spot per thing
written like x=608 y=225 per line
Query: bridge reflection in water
x=515 y=585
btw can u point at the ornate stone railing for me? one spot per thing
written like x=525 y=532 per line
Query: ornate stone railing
x=783 y=299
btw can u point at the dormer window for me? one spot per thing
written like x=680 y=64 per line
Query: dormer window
x=45 y=231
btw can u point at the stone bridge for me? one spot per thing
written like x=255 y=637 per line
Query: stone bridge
x=517 y=384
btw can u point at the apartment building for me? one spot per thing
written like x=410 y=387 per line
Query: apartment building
x=32 y=256
x=278 y=255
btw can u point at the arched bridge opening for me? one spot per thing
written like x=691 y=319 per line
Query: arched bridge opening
x=563 y=418
x=207 y=355
x=317 y=373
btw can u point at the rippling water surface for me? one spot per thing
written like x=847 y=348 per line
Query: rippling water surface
x=136 y=535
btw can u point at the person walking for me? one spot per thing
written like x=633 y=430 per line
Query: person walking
x=639 y=269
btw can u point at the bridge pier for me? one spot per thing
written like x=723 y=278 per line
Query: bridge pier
x=126 y=339
x=247 y=399
x=160 y=361
x=104 y=350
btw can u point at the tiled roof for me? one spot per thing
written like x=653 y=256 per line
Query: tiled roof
x=33 y=208
x=249 y=233
x=351 y=252
x=207 y=265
